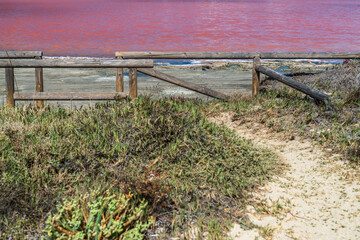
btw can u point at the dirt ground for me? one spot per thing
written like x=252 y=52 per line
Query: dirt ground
x=317 y=197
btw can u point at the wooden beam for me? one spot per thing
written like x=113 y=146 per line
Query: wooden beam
x=20 y=54
x=39 y=85
x=68 y=96
x=191 y=86
x=310 y=55
x=10 y=87
x=119 y=80
x=133 y=83
x=75 y=63
x=238 y=55
x=185 y=55
x=255 y=77
x=294 y=84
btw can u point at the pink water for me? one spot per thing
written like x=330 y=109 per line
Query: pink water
x=101 y=27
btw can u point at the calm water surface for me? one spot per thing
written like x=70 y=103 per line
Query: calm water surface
x=101 y=27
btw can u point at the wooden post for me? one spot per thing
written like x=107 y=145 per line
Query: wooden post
x=120 y=80
x=133 y=82
x=10 y=87
x=39 y=85
x=256 y=77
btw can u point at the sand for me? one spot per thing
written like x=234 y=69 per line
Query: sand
x=318 y=197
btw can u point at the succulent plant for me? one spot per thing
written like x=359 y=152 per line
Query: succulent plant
x=103 y=216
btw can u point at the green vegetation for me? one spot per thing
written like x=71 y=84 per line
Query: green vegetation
x=105 y=216
x=142 y=168
x=171 y=164
x=288 y=111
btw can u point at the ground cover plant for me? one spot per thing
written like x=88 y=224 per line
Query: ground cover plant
x=148 y=164
x=285 y=110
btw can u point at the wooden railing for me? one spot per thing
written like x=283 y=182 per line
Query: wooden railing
x=257 y=67
x=237 y=55
x=10 y=64
x=11 y=60
x=39 y=85
x=162 y=76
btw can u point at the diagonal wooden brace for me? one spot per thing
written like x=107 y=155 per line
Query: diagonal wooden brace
x=191 y=86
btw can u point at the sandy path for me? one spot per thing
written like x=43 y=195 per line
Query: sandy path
x=316 y=198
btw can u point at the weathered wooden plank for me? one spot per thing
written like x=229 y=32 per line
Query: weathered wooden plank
x=191 y=86
x=69 y=96
x=10 y=87
x=255 y=77
x=39 y=84
x=120 y=80
x=294 y=84
x=133 y=83
x=238 y=55
x=310 y=55
x=20 y=54
x=185 y=55
x=75 y=63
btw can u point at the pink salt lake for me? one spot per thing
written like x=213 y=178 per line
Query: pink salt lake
x=101 y=27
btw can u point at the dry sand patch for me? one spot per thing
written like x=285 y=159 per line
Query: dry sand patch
x=318 y=197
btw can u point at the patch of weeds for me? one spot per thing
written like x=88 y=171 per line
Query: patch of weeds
x=277 y=208
x=288 y=111
x=216 y=229
x=164 y=151
x=266 y=232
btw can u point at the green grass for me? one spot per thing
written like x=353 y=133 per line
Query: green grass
x=292 y=113
x=165 y=152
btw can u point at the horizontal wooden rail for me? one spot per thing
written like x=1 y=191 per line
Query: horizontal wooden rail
x=20 y=54
x=237 y=55
x=68 y=96
x=181 y=83
x=184 y=55
x=294 y=84
x=77 y=63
